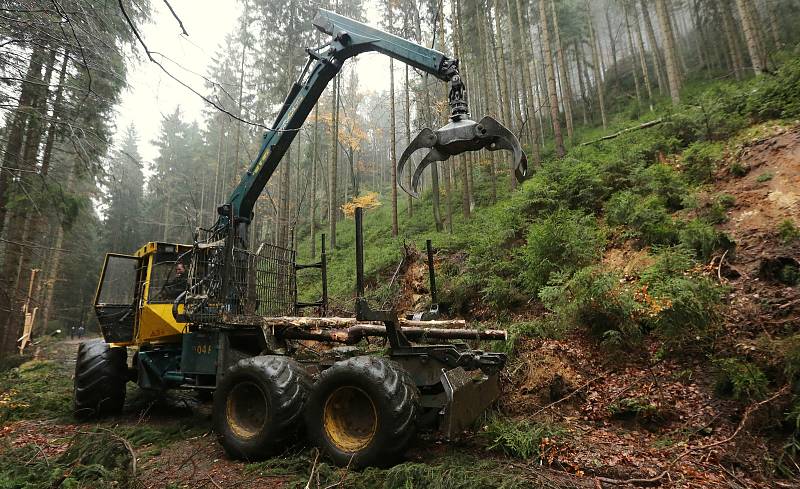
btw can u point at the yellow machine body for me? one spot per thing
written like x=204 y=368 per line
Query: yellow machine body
x=140 y=313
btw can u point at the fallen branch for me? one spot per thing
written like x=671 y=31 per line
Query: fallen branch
x=690 y=450
x=313 y=469
x=721 y=261
x=620 y=133
x=344 y=475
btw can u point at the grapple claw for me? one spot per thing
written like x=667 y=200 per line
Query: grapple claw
x=459 y=136
x=425 y=139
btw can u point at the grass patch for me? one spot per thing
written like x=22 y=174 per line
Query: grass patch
x=37 y=389
x=519 y=439
x=96 y=459
x=442 y=472
x=765 y=177
x=788 y=232
x=739 y=379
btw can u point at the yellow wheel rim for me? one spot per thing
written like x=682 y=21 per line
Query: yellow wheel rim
x=350 y=419
x=246 y=410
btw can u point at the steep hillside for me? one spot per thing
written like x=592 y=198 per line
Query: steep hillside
x=650 y=285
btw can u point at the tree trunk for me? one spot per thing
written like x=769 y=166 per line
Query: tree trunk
x=54 y=263
x=654 y=49
x=410 y=200
x=581 y=83
x=774 y=24
x=447 y=167
x=642 y=59
x=334 y=156
x=525 y=54
x=750 y=35
x=731 y=37
x=16 y=129
x=562 y=66
x=393 y=147
x=314 y=153
x=500 y=54
x=673 y=72
x=17 y=255
x=598 y=77
x=613 y=44
x=551 y=79
x=633 y=54
x=466 y=194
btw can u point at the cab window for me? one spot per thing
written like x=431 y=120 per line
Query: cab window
x=167 y=278
x=119 y=281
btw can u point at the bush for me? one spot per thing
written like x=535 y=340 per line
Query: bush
x=690 y=308
x=647 y=217
x=560 y=243
x=765 y=177
x=519 y=439
x=726 y=200
x=702 y=238
x=714 y=213
x=686 y=307
x=663 y=181
x=595 y=300
x=714 y=115
x=564 y=183
x=776 y=97
x=538 y=328
x=700 y=160
x=788 y=232
x=739 y=379
x=739 y=170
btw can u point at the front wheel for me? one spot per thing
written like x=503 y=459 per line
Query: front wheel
x=257 y=406
x=101 y=373
x=363 y=411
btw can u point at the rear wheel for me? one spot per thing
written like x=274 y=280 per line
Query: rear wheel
x=101 y=373
x=362 y=411
x=258 y=404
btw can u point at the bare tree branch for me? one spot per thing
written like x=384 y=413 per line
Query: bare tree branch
x=180 y=23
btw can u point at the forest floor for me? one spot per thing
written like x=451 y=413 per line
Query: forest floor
x=615 y=420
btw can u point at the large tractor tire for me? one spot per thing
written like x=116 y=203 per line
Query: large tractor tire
x=101 y=373
x=258 y=406
x=363 y=412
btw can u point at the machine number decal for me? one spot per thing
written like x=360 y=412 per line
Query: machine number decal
x=203 y=349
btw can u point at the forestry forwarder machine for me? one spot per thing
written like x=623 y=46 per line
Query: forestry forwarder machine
x=230 y=326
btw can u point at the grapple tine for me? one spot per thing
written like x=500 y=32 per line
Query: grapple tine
x=499 y=137
x=432 y=157
x=425 y=139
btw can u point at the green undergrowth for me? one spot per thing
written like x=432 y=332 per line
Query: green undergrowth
x=37 y=389
x=450 y=471
x=93 y=459
x=549 y=236
x=542 y=249
x=519 y=439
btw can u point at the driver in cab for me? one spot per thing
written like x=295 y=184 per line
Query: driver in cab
x=176 y=284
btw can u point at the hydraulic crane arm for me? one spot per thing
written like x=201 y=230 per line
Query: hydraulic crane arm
x=350 y=38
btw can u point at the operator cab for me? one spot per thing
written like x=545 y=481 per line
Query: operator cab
x=142 y=285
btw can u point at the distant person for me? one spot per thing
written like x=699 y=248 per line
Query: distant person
x=176 y=284
x=81 y=330
x=72 y=332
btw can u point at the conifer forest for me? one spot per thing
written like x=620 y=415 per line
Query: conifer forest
x=611 y=300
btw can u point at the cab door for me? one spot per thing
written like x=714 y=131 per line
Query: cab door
x=116 y=298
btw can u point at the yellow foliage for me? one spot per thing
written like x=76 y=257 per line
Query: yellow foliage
x=351 y=134
x=366 y=201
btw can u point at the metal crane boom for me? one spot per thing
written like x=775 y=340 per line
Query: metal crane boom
x=350 y=38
